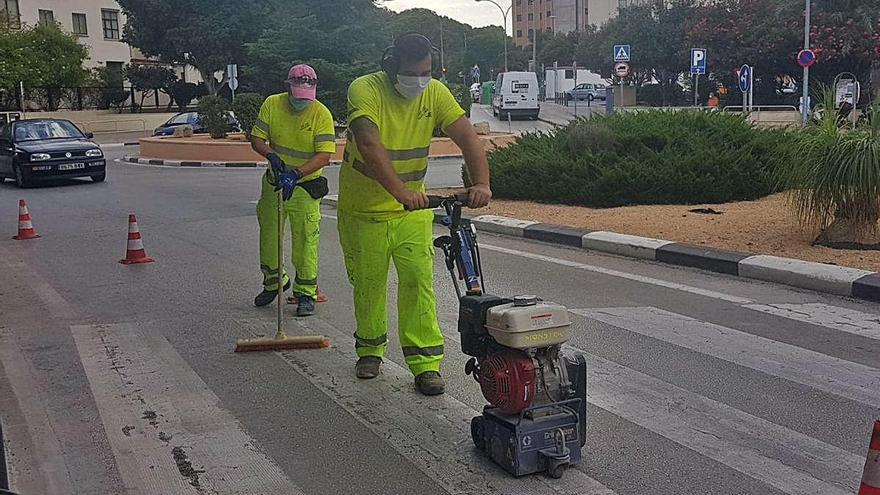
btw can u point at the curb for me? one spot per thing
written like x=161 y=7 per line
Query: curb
x=174 y=163
x=110 y=146
x=819 y=277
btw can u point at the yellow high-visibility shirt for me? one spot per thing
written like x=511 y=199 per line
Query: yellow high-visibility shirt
x=296 y=136
x=406 y=127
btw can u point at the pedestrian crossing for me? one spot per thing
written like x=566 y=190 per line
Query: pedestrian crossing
x=434 y=433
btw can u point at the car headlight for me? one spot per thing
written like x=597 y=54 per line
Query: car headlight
x=39 y=157
x=94 y=153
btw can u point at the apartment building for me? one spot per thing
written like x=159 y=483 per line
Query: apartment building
x=562 y=16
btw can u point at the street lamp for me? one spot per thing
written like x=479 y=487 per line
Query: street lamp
x=805 y=106
x=504 y=13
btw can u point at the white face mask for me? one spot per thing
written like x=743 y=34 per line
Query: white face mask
x=412 y=86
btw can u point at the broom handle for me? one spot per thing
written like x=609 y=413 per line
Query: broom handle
x=280 y=335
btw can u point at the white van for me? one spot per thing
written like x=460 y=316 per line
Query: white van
x=516 y=94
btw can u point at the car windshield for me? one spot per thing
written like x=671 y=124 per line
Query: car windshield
x=46 y=129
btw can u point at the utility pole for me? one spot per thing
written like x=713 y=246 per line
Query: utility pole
x=442 y=54
x=534 y=38
x=805 y=106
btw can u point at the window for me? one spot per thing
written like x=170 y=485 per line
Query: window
x=518 y=17
x=569 y=73
x=519 y=33
x=549 y=29
x=79 y=25
x=110 y=20
x=47 y=18
x=531 y=33
x=114 y=72
x=518 y=2
x=549 y=14
x=531 y=17
x=9 y=14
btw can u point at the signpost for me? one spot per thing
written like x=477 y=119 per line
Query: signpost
x=622 y=55
x=232 y=76
x=746 y=79
x=698 y=66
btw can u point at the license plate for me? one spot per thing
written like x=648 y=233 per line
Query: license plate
x=71 y=166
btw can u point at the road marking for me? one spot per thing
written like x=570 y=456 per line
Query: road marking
x=792 y=462
x=846 y=320
x=165 y=426
x=433 y=432
x=834 y=376
x=619 y=274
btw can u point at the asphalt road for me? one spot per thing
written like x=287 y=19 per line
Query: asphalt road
x=121 y=379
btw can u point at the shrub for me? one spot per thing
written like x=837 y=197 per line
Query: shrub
x=183 y=93
x=463 y=96
x=247 y=109
x=213 y=113
x=649 y=157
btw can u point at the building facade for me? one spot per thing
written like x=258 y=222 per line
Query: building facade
x=562 y=16
x=97 y=23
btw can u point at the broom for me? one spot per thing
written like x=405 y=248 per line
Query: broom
x=281 y=342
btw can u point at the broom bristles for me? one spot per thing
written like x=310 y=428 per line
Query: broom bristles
x=286 y=344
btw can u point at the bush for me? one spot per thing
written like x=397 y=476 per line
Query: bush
x=649 y=157
x=183 y=93
x=212 y=112
x=463 y=96
x=247 y=109
x=655 y=95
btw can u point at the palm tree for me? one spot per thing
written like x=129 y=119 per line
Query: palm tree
x=833 y=179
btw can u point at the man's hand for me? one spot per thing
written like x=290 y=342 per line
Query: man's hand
x=277 y=165
x=479 y=196
x=286 y=182
x=412 y=200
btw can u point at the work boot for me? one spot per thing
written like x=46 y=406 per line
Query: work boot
x=430 y=383
x=267 y=296
x=368 y=367
x=305 y=306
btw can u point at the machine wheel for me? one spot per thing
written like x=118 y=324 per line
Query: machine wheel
x=556 y=471
x=478 y=433
x=99 y=177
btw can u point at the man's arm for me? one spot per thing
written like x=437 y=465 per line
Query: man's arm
x=463 y=134
x=261 y=146
x=319 y=161
x=376 y=157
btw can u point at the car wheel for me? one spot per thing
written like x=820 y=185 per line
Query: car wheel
x=99 y=177
x=20 y=181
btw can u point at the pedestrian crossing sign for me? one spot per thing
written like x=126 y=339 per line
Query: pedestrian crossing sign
x=621 y=53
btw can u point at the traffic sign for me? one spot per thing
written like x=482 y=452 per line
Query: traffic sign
x=621 y=69
x=232 y=76
x=745 y=78
x=622 y=53
x=806 y=58
x=698 y=61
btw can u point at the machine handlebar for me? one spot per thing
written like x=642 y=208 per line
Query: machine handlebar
x=460 y=199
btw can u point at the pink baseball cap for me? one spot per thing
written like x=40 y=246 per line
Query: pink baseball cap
x=304 y=81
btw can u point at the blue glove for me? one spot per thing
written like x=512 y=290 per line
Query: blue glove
x=277 y=165
x=286 y=182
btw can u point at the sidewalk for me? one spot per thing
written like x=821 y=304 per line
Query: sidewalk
x=112 y=139
x=562 y=115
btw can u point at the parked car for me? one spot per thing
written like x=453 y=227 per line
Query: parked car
x=40 y=149
x=587 y=91
x=192 y=118
x=516 y=94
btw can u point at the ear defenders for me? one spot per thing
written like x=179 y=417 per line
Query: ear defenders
x=391 y=59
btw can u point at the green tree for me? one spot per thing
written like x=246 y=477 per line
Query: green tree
x=149 y=79
x=41 y=56
x=207 y=34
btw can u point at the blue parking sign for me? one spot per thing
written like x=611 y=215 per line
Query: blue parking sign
x=698 y=61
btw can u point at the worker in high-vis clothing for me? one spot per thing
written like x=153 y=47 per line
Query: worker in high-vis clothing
x=382 y=204
x=295 y=133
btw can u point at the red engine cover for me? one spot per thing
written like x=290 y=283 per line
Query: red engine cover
x=508 y=380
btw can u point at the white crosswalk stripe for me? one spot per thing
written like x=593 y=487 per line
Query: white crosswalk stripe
x=832 y=375
x=845 y=320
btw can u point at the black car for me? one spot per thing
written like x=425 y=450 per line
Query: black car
x=39 y=149
x=192 y=119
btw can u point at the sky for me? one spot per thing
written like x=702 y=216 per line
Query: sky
x=467 y=11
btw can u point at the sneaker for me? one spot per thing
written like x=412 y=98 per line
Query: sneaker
x=367 y=367
x=305 y=306
x=430 y=383
x=267 y=296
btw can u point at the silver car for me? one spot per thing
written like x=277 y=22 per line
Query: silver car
x=587 y=91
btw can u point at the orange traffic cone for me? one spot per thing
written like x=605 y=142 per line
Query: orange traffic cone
x=25 y=226
x=871 y=477
x=322 y=298
x=136 y=253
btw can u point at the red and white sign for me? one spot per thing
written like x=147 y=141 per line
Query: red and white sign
x=621 y=69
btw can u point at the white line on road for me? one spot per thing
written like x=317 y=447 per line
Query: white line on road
x=846 y=320
x=165 y=426
x=832 y=375
x=433 y=432
x=792 y=462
